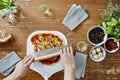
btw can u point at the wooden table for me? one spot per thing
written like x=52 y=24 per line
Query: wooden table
x=109 y=69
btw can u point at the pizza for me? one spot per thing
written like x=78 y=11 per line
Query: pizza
x=44 y=41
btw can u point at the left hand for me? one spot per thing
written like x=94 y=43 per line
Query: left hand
x=22 y=67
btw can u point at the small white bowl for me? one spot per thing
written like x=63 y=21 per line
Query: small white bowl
x=100 y=58
x=112 y=51
x=104 y=39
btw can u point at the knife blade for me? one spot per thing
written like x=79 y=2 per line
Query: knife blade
x=48 y=53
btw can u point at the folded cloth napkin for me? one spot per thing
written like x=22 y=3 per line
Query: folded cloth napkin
x=80 y=64
x=8 y=63
x=74 y=17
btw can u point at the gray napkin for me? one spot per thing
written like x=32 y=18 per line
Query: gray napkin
x=74 y=17
x=80 y=64
x=8 y=63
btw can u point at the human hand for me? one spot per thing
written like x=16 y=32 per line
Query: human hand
x=68 y=61
x=67 y=57
x=22 y=67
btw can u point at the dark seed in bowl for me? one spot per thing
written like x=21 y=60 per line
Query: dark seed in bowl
x=96 y=35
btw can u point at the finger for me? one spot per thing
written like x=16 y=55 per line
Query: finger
x=61 y=52
x=30 y=61
x=64 y=51
x=26 y=60
x=71 y=50
x=68 y=50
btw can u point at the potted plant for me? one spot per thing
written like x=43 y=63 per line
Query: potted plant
x=9 y=11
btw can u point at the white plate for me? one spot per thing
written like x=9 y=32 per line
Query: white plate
x=46 y=71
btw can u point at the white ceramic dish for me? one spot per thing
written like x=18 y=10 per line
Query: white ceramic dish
x=46 y=71
x=101 y=58
x=105 y=37
x=113 y=51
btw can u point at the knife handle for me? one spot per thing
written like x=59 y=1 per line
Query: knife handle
x=47 y=56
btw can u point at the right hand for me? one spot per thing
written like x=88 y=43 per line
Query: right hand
x=67 y=57
x=68 y=61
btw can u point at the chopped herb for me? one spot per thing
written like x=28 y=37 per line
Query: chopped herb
x=43 y=39
x=52 y=40
x=58 y=43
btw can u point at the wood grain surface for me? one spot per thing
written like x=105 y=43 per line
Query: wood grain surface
x=109 y=69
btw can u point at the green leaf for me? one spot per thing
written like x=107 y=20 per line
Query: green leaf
x=119 y=19
x=1 y=1
x=109 y=24
x=109 y=31
x=103 y=24
x=8 y=2
x=116 y=40
x=5 y=4
x=117 y=29
x=2 y=7
x=4 y=16
x=115 y=33
x=114 y=21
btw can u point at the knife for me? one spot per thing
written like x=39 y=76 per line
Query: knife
x=48 y=53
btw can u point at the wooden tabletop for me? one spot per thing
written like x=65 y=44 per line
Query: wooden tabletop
x=109 y=69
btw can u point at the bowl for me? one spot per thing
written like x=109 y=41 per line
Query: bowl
x=96 y=35
x=111 y=46
x=97 y=53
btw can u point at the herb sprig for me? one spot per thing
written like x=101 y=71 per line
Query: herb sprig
x=111 y=20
